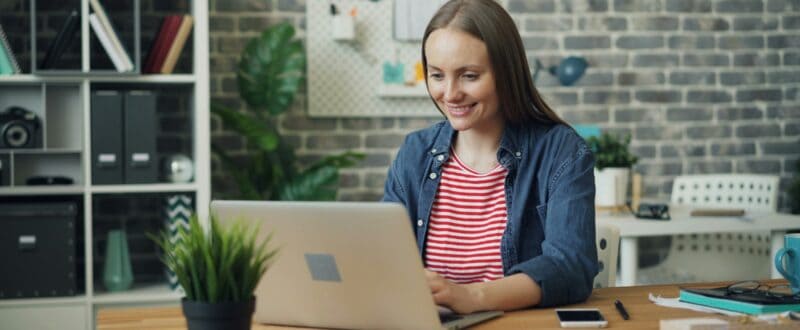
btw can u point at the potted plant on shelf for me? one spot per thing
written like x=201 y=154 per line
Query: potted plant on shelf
x=219 y=269
x=271 y=71
x=613 y=163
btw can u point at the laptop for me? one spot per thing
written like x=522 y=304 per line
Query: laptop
x=342 y=265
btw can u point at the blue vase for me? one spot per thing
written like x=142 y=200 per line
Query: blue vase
x=117 y=273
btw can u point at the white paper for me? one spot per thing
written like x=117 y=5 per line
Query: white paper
x=411 y=18
x=676 y=303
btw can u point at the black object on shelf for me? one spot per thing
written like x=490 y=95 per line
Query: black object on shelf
x=37 y=249
x=20 y=128
x=5 y=170
x=106 y=125
x=41 y=180
x=62 y=40
x=141 y=165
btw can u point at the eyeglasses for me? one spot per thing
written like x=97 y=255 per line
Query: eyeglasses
x=781 y=291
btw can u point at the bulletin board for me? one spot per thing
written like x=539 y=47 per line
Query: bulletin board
x=344 y=78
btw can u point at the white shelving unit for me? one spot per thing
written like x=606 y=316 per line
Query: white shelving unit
x=62 y=100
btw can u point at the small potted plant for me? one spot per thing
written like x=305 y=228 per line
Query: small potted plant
x=218 y=269
x=613 y=163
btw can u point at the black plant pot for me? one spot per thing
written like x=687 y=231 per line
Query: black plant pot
x=218 y=316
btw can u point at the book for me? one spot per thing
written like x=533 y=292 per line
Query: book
x=751 y=302
x=5 y=64
x=119 y=50
x=160 y=46
x=12 y=60
x=177 y=44
x=62 y=41
x=105 y=41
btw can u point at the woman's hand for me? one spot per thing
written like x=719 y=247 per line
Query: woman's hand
x=506 y=294
x=461 y=298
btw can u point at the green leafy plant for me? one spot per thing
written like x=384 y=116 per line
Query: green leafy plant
x=218 y=265
x=271 y=71
x=794 y=191
x=611 y=151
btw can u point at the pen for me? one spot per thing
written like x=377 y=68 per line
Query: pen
x=621 y=309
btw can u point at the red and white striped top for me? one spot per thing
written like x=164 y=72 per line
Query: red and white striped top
x=467 y=222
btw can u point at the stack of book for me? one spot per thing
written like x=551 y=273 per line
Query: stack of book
x=168 y=44
x=102 y=27
x=8 y=63
x=752 y=302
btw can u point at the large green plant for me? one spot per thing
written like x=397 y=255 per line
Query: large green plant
x=271 y=71
x=611 y=151
x=794 y=191
x=218 y=265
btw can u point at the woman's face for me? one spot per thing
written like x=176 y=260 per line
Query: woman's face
x=461 y=81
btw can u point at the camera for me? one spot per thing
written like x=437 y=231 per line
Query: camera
x=20 y=128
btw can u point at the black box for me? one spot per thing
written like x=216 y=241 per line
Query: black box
x=5 y=170
x=106 y=124
x=139 y=139
x=37 y=250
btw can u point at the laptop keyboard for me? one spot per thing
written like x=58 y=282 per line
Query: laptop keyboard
x=444 y=318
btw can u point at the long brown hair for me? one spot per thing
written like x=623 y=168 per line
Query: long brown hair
x=486 y=20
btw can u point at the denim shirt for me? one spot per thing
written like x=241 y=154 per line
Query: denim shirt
x=550 y=234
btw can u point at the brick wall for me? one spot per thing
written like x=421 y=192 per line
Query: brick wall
x=702 y=86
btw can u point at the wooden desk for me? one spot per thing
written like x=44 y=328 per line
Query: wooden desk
x=644 y=314
x=631 y=228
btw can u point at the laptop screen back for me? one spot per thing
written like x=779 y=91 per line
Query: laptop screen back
x=340 y=265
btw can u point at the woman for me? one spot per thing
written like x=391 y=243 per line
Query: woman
x=501 y=194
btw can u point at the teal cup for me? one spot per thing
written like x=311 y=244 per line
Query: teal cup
x=787 y=261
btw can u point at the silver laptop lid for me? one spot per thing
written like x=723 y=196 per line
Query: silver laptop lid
x=341 y=265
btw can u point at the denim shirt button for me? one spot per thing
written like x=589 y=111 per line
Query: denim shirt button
x=432 y=176
x=518 y=154
x=440 y=158
x=419 y=222
x=433 y=151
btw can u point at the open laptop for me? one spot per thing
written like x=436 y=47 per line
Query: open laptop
x=342 y=265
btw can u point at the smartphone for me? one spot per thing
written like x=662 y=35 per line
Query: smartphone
x=581 y=318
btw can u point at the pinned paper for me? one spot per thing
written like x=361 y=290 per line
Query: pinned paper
x=412 y=16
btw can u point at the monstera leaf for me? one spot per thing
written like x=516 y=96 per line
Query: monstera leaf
x=271 y=69
x=318 y=182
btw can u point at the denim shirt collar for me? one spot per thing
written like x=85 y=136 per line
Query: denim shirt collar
x=508 y=155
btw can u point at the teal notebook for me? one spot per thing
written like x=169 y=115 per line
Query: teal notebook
x=748 y=303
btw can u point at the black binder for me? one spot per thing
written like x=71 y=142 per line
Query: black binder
x=141 y=165
x=106 y=128
x=5 y=170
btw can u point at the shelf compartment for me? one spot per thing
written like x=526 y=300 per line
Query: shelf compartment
x=48 y=164
x=153 y=13
x=48 y=19
x=139 y=293
x=124 y=18
x=70 y=315
x=64 y=117
x=136 y=214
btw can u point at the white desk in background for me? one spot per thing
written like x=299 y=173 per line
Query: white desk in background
x=631 y=228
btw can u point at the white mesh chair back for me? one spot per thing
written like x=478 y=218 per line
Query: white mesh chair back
x=607 y=252
x=720 y=256
x=748 y=191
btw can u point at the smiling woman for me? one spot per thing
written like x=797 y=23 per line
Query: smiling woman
x=501 y=194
